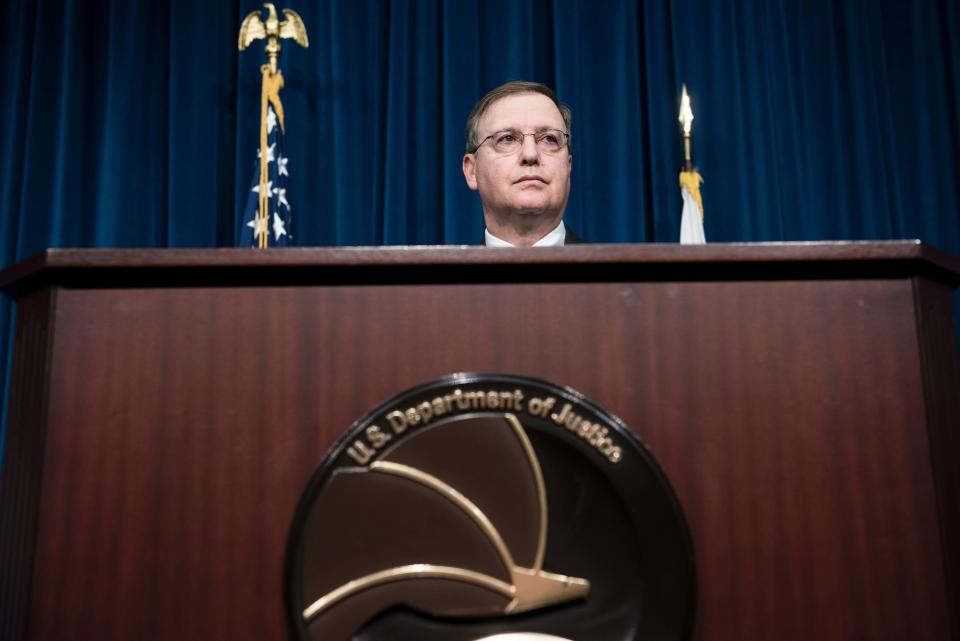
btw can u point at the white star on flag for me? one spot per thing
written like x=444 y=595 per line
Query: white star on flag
x=271 y=120
x=269 y=152
x=258 y=224
x=282 y=166
x=270 y=190
x=278 y=227
x=282 y=196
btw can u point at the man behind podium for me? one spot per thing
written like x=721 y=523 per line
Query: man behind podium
x=518 y=159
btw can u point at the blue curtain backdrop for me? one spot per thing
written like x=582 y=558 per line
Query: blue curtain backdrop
x=134 y=123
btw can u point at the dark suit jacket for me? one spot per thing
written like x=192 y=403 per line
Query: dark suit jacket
x=569 y=239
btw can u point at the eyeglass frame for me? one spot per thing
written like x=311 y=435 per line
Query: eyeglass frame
x=523 y=139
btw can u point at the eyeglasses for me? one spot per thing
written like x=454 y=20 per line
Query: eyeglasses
x=510 y=141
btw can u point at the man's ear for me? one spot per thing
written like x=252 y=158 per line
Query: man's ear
x=470 y=170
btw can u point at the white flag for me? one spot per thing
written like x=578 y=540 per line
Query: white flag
x=691 y=221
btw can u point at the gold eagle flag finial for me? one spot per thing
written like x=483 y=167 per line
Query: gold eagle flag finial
x=253 y=28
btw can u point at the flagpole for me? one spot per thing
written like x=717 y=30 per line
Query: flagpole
x=687 y=151
x=264 y=193
x=273 y=29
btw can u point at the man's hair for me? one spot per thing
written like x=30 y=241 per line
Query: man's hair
x=512 y=88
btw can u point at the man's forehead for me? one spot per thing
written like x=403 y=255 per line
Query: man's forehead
x=522 y=111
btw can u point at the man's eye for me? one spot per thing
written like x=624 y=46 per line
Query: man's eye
x=507 y=137
x=550 y=139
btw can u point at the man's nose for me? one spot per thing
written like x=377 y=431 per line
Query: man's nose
x=529 y=152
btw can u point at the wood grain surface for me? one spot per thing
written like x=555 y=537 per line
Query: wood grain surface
x=791 y=416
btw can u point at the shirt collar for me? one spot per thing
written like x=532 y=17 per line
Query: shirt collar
x=555 y=238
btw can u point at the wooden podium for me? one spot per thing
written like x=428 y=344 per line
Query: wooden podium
x=167 y=408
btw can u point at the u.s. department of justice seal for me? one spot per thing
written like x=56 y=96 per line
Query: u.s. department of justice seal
x=488 y=507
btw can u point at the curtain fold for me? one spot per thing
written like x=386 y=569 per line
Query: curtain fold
x=135 y=124
x=129 y=123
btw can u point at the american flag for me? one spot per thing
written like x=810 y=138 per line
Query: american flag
x=279 y=220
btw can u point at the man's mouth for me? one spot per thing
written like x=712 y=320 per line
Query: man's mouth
x=529 y=178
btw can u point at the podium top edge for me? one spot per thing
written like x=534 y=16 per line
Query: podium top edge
x=195 y=267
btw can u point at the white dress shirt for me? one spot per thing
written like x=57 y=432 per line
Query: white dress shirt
x=555 y=238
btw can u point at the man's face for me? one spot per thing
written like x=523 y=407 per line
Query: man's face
x=527 y=182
